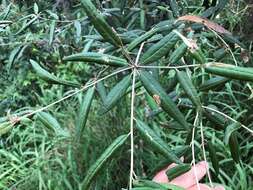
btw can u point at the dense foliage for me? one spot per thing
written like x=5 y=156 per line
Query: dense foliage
x=97 y=93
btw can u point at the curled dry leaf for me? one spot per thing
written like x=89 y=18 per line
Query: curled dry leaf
x=209 y=24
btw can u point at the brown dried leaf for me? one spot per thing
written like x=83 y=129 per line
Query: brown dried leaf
x=209 y=24
x=157 y=99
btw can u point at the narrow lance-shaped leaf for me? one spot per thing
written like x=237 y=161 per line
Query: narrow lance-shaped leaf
x=5 y=127
x=13 y=56
x=100 y=24
x=102 y=160
x=101 y=90
x=177 y=54
x=174 y=7
x=151 y=185
x=230 y=130
x=156 y=142
x=177 y=171
x=100 y=58
x=84 y=112
x=230 y=71
x=78 y=28
x=160 y=49
x=117 y=92
x=156 y=90
x=51 y=123
x=188 y=87
x=213 y=83
x=213 y=157
x=234 y=147
x=27 y=24
x=162 y=26
x=45 y=75
x=51 y=32
x=181 y=151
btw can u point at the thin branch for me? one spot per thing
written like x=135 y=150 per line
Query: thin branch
x=204 y=151
x=132 y=118
x=193 y=151
x=223 y=114
x=227 y=46
x=132 y=130
x=74 y=93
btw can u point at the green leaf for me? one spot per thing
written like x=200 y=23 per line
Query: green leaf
x=141 y=39
x=188 y=87
x=230 y=130
x=78 y=28
x=117 y=92
x=45 y=75
x=99 y=58
x=160 y=49
x=177 y=171
x=234 y=147
x=230 y=71
x=177 y=54
x=51 y=123
x=51 y=32
x=181 y=151
x=26 y=25
x=213 y=156
x=102 y=160
x=5 y=127
x=148 y=184
x=156 y=90
x=100 y=24
x=84 y=112
x=155 y=141
x=13 y=56
x=101 y=90
x=174 y=7
x=35 y=8
x=213 y=83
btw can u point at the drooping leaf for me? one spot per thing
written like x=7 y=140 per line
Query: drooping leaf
x=45 y=75
x=188 y=87
x=117 y=92
x=213 y=156
x=51 y=123
x=52 y=32
x=155 y=89
x=155 y=141
x=102 y=160
x=159 y=49
x=230 y=130
x=100 y=24
x=84 y=112
x=234 y=147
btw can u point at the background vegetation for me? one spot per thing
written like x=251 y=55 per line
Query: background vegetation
x=57 y=145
